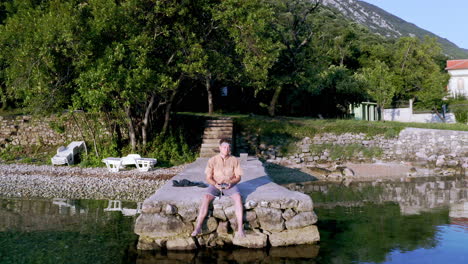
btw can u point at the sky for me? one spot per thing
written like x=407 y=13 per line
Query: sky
x=447 y=19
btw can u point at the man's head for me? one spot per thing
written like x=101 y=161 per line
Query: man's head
x=224 y=147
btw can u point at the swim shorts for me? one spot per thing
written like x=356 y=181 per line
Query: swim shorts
x=227 y=192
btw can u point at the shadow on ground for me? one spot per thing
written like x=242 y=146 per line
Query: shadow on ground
x=284 y=175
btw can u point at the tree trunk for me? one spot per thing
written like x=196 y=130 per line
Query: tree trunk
x=274 y=101
x=131 y=129
x=145 y=126
x=210 y=93
x=438 y=114
x=381 y=109
x=167 y=114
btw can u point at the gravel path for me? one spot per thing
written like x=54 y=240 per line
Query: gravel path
x=32 y=181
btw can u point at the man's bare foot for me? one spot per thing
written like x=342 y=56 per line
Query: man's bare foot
x=240 y=233
x=196 y=232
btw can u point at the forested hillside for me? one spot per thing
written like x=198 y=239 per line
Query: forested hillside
x=135 y=62
x=385 y=24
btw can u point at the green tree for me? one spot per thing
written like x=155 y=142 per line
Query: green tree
x=379 y=85
x=414 y=62
x=339 y=88
x=249 y=24
x=38 y=44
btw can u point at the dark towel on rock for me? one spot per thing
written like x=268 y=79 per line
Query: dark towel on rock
x=187 y=183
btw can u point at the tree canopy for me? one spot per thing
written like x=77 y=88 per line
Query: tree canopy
x=144 y=59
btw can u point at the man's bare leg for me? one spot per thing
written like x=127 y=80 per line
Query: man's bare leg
x=202 y=213
x=239 y=213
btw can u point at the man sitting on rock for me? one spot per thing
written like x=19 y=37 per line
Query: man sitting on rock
x=223 y=172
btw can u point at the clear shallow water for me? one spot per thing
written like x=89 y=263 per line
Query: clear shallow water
x=421 y=221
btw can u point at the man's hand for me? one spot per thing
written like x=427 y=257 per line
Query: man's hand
x=223 y=186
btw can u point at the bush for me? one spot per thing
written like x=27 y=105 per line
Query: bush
x=92 y=160
x=170 y=150
x=461 y=115
x=346 y=152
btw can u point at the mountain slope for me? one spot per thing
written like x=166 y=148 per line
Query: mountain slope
x=381 y=22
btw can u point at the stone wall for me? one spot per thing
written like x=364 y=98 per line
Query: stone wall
x=27 y=131
x=426 y=147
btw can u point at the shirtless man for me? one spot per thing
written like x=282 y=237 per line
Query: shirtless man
x=223 y=172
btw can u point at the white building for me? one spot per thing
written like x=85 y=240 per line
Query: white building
x=458 y=84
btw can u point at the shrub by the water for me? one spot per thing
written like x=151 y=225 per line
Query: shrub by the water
x=171 y=150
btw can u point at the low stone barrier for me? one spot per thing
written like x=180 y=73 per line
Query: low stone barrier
x=272 y=214
x=426 y=147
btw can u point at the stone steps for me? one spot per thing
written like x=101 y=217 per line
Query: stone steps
x=215 y=130
x=217 y=135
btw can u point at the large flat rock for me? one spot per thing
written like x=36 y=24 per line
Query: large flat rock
x=255 y=186
x=268 y=209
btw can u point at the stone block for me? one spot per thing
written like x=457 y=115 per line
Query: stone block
x=301 y=220
x=250 y=204
x=155 y=225
x=275 y=204
x=188 y=214
x=170 y=209
x=150 y=207
x=251 y=240
x=209 y=225
x=288 y=214
x=306 y=235
x=251 y=219
x=223 y=228
x=289 y=203
x=218 y=212
x=181 y=244
x=270 y=219
x=146 y=243
x=305 y=205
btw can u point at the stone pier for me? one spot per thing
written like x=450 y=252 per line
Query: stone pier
x=273 y=215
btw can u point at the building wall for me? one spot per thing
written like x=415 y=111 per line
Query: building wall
x=458 y=83
x=407 y=115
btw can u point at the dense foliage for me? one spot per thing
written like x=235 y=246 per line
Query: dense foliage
x=143 y=59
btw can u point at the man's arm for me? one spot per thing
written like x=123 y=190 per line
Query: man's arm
x=210 y=173
x=210 y=179
x=237 y=173
x=237 y=179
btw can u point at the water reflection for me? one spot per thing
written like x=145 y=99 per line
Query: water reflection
x=63 y=231
x=116 y=206
x=295 y=254
x=414 y=195
x=380 y=222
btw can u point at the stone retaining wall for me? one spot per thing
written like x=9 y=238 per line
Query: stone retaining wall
x=273 y=214
x=427 y=147
x=28 y=131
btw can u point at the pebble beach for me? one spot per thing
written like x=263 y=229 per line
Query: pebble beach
x=45 y=181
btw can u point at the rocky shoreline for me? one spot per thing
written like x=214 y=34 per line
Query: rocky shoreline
x=45 y=181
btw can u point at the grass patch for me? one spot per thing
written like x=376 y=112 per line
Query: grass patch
x=279 y=127
x=12 y=112
x=35 y=154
